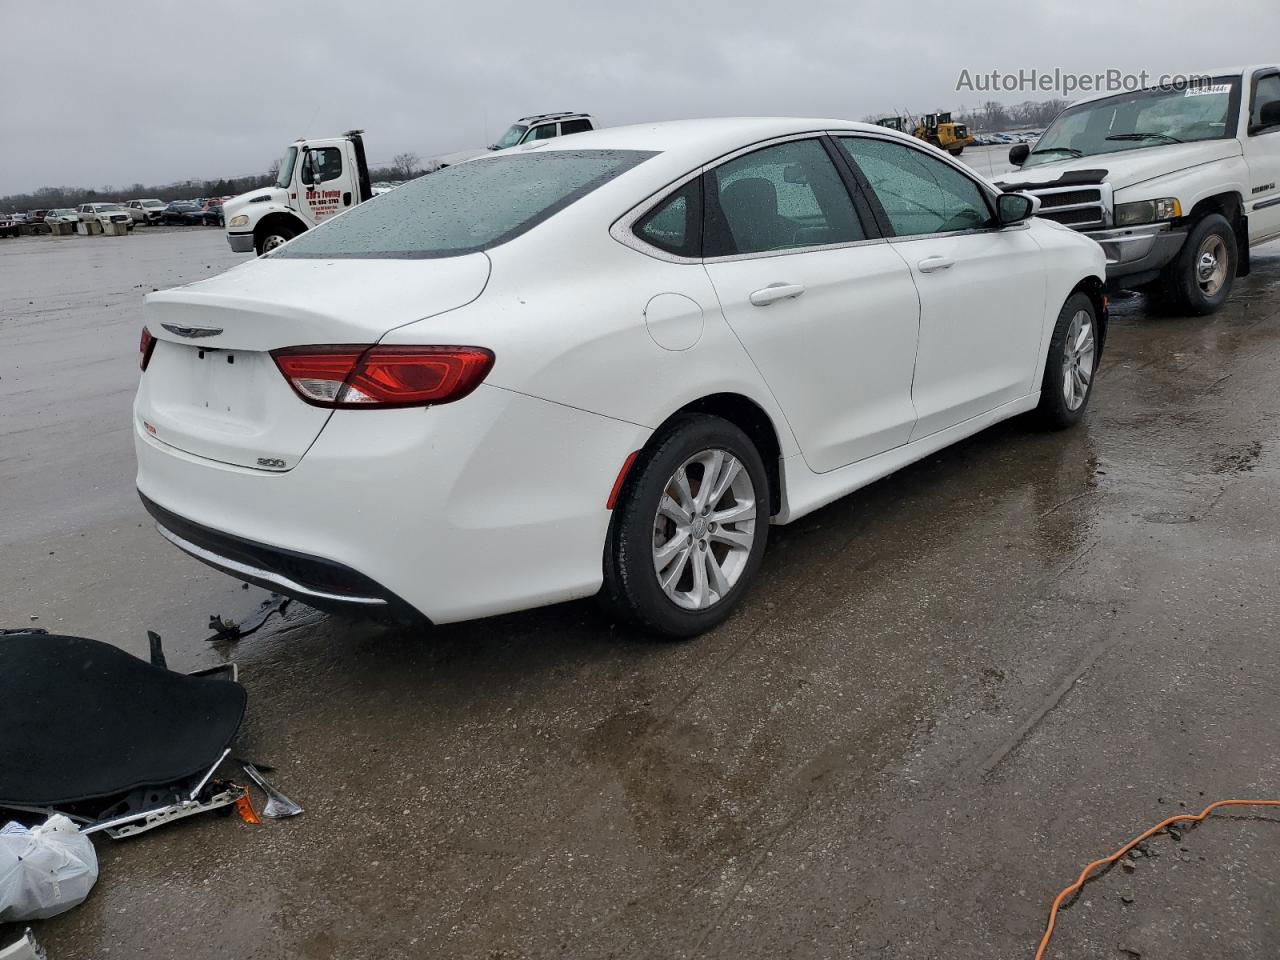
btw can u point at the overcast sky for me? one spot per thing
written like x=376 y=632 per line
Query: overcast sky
x=96 y=93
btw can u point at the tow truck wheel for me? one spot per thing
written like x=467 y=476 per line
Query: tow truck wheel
x=274 y=236
x=1198 y=280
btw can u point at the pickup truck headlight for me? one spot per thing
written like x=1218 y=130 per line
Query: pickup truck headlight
x=241 y=220
x=1147 y=211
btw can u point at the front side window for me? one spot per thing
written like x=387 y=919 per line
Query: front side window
x=1267 y=90
x=920 y=194
x=544 y=132
x=323 y=163
x=1147 y=118
x=464 y=208
x=783 y=197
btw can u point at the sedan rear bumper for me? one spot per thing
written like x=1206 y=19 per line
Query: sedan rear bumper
x=490 y=505
x=321 y=583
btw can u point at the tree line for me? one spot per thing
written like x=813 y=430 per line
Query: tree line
x=405 y=166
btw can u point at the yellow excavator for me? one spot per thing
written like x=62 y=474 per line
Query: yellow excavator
x=936 y=128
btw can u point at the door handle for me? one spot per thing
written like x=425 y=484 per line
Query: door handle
x=934 y=264
x=775 y=292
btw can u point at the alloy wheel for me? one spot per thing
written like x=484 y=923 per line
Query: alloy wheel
x=704 y=529
x=271 y=242
x=1077 y=360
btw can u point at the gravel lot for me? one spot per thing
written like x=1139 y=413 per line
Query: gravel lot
x=945 y=695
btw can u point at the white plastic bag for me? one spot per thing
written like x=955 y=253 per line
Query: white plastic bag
x=44 y=870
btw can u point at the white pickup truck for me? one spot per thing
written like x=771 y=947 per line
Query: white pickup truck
x=1176 y=183
x=321 y=178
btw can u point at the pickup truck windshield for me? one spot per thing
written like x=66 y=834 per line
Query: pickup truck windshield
x=464 y=208
x=511 y=137
x=286 y=167
x=1147 y=118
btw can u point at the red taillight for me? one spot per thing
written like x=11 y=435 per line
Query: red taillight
x=146 y=346
x=354 y=376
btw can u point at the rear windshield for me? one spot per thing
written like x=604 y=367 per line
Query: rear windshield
x=464 y=208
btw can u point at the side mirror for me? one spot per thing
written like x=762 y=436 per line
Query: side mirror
x=1018 y=153
x=1014 y=208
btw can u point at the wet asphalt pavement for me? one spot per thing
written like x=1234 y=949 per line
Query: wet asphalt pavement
x=945 y=694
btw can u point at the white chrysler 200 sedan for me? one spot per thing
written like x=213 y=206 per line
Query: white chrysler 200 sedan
x=602 y=364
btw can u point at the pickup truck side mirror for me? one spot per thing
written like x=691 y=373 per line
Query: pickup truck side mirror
x=1268 y=116
x=1018 y=153
x=1013 y=208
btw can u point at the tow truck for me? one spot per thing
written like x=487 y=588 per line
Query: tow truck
x=320 y=178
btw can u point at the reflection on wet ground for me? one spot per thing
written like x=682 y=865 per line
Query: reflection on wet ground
x=946 y=693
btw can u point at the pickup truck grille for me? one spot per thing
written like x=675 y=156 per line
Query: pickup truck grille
x=1081 y=208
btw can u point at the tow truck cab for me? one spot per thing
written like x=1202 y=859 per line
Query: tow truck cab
x=318 y=179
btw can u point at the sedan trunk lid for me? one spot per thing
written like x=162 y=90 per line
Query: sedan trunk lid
x=211 y=388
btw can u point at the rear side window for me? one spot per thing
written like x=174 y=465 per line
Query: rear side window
x=464 y=208
x=920 y=194
x=675 y=225
x=782 y=197
x=574 y=126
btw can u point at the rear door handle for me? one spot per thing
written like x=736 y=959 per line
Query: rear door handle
x=934 y=264
x=775 y=292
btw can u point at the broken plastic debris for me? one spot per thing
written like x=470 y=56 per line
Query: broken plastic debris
x=25 y=948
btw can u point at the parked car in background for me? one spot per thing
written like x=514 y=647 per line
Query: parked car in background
x=544 y=126
x=184 y=212
x=104 y=213
x=777 y=295
x=212 y=209
x=62 y=215
x=10 y=226
x=36 y=216
x=146 y=211
x=1177 y=183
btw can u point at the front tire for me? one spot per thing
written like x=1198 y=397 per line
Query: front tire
x=690 y=528
x=1070 y=367
x=1198 y=280
x=274 y=236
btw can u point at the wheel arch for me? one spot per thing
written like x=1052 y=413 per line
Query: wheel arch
x=1096 y=290
x=273 y=219
x=753 y=420
x=1231 y=205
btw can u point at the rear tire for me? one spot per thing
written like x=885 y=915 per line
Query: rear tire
x=1072 y=363
x=681 y=577
x=956 y=151
x=1198 y=280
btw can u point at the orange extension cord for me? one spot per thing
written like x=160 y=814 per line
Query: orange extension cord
x=1084 y=874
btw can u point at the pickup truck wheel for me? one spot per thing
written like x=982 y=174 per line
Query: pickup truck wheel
x=1198 y=280
x=1071 y=364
